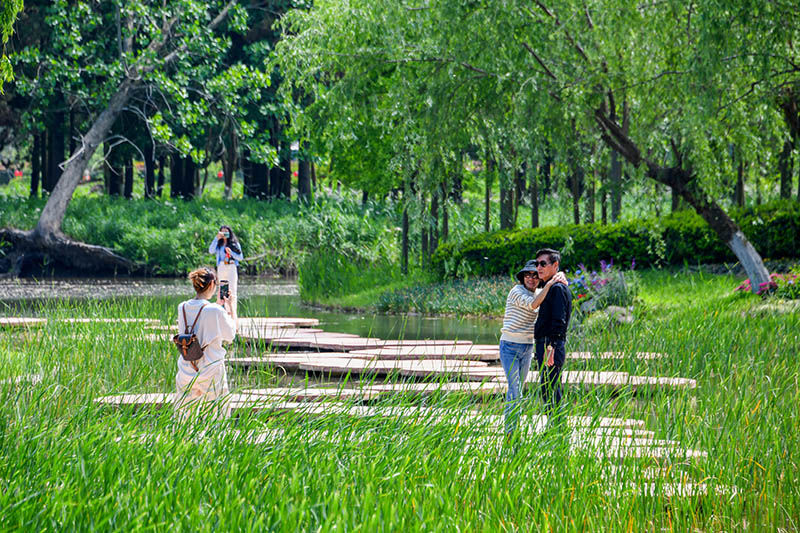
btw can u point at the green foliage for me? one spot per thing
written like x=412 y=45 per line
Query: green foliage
x=8 y=14
x=171 y=237
x=674 y=239
x=594 y=290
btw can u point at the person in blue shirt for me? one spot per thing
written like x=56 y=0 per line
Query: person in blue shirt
x=228 y=251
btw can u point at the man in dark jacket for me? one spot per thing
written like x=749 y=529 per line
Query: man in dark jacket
x=550 y=330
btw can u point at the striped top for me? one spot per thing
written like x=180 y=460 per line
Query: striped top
x=520 y=316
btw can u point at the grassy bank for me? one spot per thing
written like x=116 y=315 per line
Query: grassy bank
x=171 y=237
x=65 y=464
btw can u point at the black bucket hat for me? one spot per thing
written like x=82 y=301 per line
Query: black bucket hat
x=530 y=266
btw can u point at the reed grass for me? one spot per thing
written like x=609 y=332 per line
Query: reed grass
x=67 y=464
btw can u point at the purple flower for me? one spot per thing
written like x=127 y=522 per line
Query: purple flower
x=633 y=263
x=602 y=265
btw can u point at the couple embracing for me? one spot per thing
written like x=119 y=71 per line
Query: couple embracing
x=535 y=323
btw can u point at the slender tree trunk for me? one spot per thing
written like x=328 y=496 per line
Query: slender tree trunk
x=785 y=164
x=149 y=170
x=35 y=165
x=43 y=159
x=404 y=236
x=160 y=185
x=286 y=173
x=519 y=190
x=445 y=215
x=591 y=192
x=458 y=182
x=535 y=197
x=275 y=177
x=434 y=222
x=506 y=202
x=230 y=164
x=175 y=176
x=488 y=178
x=314 y=176
x=304 y=180
x=424 y=232
x=71 y=134
x=575 y=178
x=129 y=179
x=116 y=175
x=738 y=194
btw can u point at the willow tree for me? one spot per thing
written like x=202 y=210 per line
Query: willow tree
x=8 y=14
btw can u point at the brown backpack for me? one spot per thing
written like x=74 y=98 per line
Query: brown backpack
x=187 y=343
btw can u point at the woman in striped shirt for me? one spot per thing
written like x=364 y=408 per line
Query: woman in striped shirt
x=516 y=341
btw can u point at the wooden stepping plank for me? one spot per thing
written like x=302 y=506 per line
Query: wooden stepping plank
x=657 y=452
x=466 y=352
x=426 y=342
x=21 y=322
x=268 y=334
x=426 y=389
x=156 y=399
x=330 y=342
x=669 y=490
x=291 y=361
x=404 y=367
x=277 y=322
x=313 y=394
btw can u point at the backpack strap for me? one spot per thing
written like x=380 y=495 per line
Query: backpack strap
x=195 y=318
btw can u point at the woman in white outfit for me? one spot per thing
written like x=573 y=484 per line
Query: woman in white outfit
x=204 y=379
x=228 y=251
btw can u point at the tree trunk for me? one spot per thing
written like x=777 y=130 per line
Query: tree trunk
x=738 y=193
x=488 y=175
x=445 y=215
x=535 y=197
x=230 y=164
x=275 y=176
x=286 y=173
x=175 y=176
x=35 y=165
x=575 y=179
x=129 y=179
x=676 y=200
x=259 y=181
x=424 y=232
x=304 y=180
x=115 y=175
x=160 y=185
x=149 y=170
x=591 y=191
x=506 y=202
x=43 y=159
x=434 y=221
x=404 y=237
x=785 y=164
x=314 y=176
x=458 y=182
x=519 y=190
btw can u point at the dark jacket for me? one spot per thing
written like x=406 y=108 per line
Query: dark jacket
x=554 y=314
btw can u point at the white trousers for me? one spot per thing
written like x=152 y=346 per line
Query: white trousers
x=230 y=274
x=204 y=392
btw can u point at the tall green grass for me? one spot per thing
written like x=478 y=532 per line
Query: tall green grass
x=66 y=464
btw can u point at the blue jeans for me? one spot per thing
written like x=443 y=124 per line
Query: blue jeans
x=516 y=361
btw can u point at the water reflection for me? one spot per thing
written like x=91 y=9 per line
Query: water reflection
x=258 y=297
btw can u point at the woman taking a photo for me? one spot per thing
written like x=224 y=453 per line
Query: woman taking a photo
x=228 y=252
x=204 y=379
x=516 y=341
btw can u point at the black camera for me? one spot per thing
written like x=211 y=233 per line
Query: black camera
x=224 y=290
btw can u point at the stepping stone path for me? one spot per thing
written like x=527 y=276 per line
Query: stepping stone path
x=21 y=322
x=458 y=351
x=277 y=322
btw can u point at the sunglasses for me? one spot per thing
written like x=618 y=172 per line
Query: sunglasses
x=541 y=263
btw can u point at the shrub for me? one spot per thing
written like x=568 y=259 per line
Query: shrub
x=678 y=238
x=782 y=285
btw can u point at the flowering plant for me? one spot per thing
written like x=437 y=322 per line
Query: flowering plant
x=783 y=285
x=604 y=287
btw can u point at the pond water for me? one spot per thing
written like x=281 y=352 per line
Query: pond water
x=257 y=297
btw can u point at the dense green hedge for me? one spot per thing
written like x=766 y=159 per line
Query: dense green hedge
x=678 y=238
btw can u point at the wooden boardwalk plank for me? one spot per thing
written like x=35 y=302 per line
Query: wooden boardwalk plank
x=21 y=322
x=278 y=322
x=313 y=394
x=459 y=351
